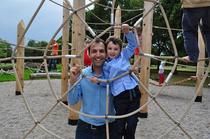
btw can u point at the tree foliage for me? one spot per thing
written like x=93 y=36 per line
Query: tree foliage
x=161 y=39
x=99 y=14
x=5 y=49
x=39 y=47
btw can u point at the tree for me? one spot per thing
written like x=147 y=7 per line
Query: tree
x=99 y=14
x=161 y=39
x=5 y=49
x=39 y=48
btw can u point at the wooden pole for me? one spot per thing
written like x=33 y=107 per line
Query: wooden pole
x=78 y=38
x=20 y=61
x=145 y=62
x=200 y=66
x=78 y=31
x=65 y=61
x=117 y=31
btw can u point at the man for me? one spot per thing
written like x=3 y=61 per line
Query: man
x=92 y=96
x=195 y=11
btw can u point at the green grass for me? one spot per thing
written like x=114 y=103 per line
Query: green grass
x=11 y=76
x=6 y=77
x=182 y=72
x=178 y=77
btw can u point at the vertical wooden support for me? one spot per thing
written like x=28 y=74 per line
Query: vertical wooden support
x=78 y=31
x=78 y=38
x=20 y=61
x=117 y=31
x=200 y=66
x=145 y=62
x=65 y=61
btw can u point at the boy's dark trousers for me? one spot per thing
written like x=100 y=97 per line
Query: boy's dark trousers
x=126 y=102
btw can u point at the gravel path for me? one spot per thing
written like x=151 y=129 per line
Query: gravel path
x=15 y=120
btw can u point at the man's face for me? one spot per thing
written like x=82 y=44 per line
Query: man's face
x=97 y=54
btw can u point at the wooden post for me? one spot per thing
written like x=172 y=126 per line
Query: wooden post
x=145 y=62
x=200 y=66
x=78 y=38
x=78 y=31
x=20 y=61
x=65 y=48
x=117 y=31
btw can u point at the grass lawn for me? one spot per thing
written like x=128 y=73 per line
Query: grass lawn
x=179 y=76
x=10 y=76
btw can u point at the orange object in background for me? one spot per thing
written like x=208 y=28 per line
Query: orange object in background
x=55 y=48
x=87 y=60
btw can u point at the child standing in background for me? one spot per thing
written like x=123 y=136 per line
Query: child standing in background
x=161 y=72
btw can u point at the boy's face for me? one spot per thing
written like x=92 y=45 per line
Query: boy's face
x=97 y=54
x=113 y=50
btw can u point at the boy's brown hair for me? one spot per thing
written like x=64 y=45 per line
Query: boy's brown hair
x=114 y=40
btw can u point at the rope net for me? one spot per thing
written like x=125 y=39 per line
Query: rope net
x=177 y=123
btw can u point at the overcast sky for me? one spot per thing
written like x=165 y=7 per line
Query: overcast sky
x=44 y=26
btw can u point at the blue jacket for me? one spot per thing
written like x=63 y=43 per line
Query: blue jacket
x=119 y=65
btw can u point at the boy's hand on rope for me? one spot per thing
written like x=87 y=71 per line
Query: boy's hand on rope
x=125 y=28
x=94 y=80
x=135 y=70
x=75 y=71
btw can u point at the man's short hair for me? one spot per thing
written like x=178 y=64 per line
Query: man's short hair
x=96 y=40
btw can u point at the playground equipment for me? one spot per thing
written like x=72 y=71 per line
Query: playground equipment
x=145 y=55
